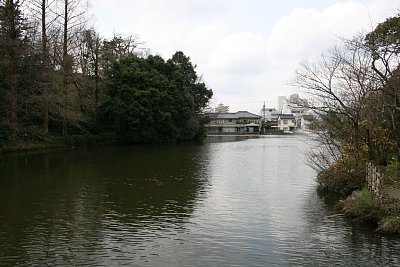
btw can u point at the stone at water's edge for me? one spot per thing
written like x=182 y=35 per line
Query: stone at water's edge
x=392 y=193
x=390 y=225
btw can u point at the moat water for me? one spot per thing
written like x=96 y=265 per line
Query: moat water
x=227 y=202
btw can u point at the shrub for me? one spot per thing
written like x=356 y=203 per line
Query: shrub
x=389 y=225
x=363 y=207
x=342 y=177
x=392 y=173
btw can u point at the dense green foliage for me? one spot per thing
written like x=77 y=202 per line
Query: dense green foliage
x=151 y=100
x=58 y=78
x=344 y=176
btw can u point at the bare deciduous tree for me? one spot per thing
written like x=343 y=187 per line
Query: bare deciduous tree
x=338 y=87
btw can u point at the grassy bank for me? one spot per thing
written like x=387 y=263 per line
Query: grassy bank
x=25 y=146
x=71 y=141
x=365 y=208
x=348 y=180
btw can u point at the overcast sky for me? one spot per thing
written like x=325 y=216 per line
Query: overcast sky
x=246 y=50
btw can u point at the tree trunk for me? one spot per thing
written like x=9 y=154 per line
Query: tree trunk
x=65 y=37
x=13 y=115
x=12 y=38
x=96 y=73
x=65 y=69
x=11 y=21
x=44 y=35
x=64 y=127
x=46 y=121
x=46 y=64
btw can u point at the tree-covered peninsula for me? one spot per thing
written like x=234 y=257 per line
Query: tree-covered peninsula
x=152 y=100
x=62 y=83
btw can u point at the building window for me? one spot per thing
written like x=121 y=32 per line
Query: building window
x=230 y=120
x=285 y=122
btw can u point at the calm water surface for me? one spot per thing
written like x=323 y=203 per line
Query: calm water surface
x=246 y=203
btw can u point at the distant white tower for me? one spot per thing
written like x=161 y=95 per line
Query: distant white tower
x=221 y=108
x=281 y=102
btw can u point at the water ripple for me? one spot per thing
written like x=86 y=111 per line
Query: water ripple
x=248 y=203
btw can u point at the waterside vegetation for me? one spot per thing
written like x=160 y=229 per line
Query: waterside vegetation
x=354 y=91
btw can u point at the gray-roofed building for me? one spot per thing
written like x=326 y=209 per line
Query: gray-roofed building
x=286 y=122
x=241 y=122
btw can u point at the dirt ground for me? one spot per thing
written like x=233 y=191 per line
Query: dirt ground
x=393 y=193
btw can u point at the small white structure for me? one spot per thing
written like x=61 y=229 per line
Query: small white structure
x=281 y=103
x=268 y=114
x=221 y=108
x=286 y=122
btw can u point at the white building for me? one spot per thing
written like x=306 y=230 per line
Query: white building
x=221 y=108
x=281 y=102
x=268 y=114
x=286 y=122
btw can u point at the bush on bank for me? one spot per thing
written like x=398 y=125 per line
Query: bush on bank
x=364 y=208
x=342 y=177
x=389 y=225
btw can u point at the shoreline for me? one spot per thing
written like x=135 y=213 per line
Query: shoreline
x=362 y=208
x=71 y=141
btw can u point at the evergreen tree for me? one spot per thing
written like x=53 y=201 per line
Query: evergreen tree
x=15 y=56
x=150 y=100
x=186 y=74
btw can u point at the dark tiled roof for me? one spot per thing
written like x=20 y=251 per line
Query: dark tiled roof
x=286 y=116
x=236 y=115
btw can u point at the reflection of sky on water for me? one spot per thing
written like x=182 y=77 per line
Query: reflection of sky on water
x=247 y=203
